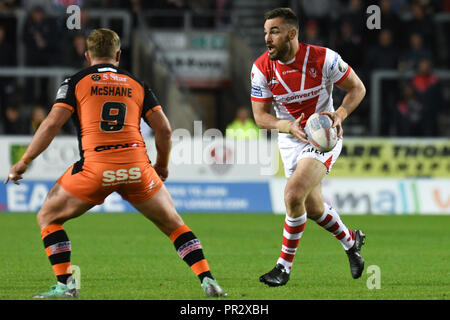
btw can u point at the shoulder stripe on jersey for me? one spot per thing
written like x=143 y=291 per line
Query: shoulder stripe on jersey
x=63 y=105
x=155 y=108
x=261 y=99
x=344 y=76
x=305 y=62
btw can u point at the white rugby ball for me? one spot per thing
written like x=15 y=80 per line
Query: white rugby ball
x=320 y=133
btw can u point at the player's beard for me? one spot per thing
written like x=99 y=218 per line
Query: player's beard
x=282 y=50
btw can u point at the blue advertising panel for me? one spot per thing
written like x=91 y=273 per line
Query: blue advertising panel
x=188 y=197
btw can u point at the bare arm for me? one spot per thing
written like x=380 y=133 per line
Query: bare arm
x=265 y=120
x=355 y=93
x=158 y=121
x=44 y=135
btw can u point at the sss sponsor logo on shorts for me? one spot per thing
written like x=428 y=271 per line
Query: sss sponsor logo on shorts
x=111 y=177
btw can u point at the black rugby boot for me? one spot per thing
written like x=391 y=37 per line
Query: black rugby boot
x=276 y=277
x=354 y=255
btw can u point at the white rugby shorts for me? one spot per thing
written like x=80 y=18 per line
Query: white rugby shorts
x=290 y=155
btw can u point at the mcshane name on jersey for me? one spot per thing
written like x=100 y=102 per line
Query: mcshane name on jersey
x=111 y=91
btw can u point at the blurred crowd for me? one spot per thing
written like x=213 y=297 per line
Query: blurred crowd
x=407 y=41
x=47 y=43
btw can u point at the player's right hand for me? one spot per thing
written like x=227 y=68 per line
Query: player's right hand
x=297 y=131
x=16 y=172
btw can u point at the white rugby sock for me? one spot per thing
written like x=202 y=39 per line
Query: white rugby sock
x=292 y=233
x=331 y=221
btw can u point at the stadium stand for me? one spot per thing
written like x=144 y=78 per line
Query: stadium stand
x=405 y=64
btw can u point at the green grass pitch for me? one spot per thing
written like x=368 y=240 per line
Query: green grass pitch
x=124 y=256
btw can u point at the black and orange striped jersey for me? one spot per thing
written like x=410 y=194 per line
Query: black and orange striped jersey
x=107 y=105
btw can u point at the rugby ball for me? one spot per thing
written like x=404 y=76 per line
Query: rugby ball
x=320 y=133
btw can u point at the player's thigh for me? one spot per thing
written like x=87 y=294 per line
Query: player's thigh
x=308 y=173
x=314 y=203
x=80 y=188
x=60 y=206
x=160 y=210
x=147 y=193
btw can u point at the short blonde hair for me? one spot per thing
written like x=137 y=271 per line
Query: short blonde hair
x=103 y=43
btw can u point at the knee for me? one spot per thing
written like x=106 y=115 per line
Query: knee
x=294 y=199
x=174 y=222
x=42 y=219
x=315 y=210
x=168 y=223
x=45 y=218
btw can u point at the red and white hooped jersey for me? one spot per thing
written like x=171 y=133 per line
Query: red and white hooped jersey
x=302 y=85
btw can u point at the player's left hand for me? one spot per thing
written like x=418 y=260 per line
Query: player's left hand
x=16 y=172
x=162 y=171
x=337 y=122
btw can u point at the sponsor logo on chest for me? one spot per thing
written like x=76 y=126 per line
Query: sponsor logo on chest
x=298 y=96
x=289 y=71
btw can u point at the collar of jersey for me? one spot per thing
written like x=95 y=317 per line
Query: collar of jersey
x=104 y=65
x=288 y=62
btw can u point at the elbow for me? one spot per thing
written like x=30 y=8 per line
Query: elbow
x=50 y=128
x=358 y=92
x=258 y=121
x=362 y=90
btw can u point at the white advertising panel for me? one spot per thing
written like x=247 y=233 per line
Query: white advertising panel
x=201 y=158
x=377 y=195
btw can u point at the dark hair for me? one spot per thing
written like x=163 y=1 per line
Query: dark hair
x=287 y=14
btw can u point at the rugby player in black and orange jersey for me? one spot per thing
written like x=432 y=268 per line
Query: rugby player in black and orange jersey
x=106 y=104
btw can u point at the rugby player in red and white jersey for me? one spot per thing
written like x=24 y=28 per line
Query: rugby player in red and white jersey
x=297 y=79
